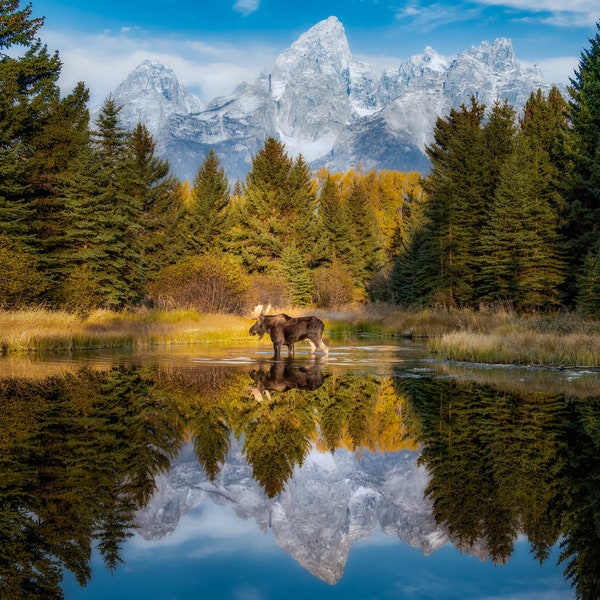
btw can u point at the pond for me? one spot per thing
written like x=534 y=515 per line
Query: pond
x=375 y=472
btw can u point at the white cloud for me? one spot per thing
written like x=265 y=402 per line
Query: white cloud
x=576 y=13
x=210 y=529
x=435 y=15
x=579 y=13
x=559 y=69
x=246 y=7
x=103 y=61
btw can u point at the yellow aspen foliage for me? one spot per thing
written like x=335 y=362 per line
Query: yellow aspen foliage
x=185 y=193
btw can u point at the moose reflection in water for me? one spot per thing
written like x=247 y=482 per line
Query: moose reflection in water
x=79 y=454
x=282 y=377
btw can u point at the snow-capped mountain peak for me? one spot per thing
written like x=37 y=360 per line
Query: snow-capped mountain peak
x=151 y=93
x=324 y=104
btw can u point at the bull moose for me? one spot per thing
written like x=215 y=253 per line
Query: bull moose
x=286 y=330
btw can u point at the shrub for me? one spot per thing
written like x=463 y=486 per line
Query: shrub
x=211 y=283
x=21 y=283
x=334 y=287
x=80 y=292
x=269 y=289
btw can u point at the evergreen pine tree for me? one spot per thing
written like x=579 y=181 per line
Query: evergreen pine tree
x=584 y=195
x=457 y=188
x=367 y=255
x=302 y=211
x=278 y=208
x=117 y=265
x=41 y=134
x=520 y=258
x=297 y=275
x=588 y=284
x=63 y=137
x=28 y=88
x=335 y=226
x=205 y=215
x=105 y=233
x=150 y=186
x=499 y=134
x=23 y=82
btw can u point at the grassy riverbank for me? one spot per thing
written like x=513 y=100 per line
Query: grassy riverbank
x=56 y=331
x=496 y=336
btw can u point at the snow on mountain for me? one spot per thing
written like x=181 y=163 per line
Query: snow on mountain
x=331 y=502
x=152 y=94
x=321 y=102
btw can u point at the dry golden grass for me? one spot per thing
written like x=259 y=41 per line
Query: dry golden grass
x=520 y=347
x=55 y=331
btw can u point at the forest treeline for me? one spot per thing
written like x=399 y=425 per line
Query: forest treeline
x=92 y=217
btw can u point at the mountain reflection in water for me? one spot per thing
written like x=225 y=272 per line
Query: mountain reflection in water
x=321 y=454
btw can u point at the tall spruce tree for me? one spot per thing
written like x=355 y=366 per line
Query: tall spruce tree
x=335 y=225
x=296 y=273
x=150 y=185
x=62 y=139
x=205 y=215
x=41 y=134
x=105 y=233
x=499 y=136
x=277 y=209
x=519 y=257
x=584 y=195
x=25 y=81
x=367 y=255
x=457 y=190
x=545 y=123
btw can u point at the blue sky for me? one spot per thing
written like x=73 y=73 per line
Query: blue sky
x=215 y=554
x=214 y=44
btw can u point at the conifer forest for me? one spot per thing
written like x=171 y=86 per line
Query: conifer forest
x=91 y=217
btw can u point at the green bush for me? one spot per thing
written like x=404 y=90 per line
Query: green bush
x=333 y=287
x=210 y=283
x=21 y=283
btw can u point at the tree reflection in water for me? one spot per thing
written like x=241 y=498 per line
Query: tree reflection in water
x=502 y=464
x=80 y=453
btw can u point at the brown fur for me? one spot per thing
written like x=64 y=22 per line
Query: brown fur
x=286 y=330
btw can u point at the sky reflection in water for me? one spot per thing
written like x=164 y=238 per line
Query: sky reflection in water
x=214 y=554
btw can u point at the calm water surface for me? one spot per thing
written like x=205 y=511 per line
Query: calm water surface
x=377 y=472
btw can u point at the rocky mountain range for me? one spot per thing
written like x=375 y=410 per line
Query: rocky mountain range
x=323 y=103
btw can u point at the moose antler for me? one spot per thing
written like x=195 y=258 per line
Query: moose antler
x=258 y=394
x=256 y=312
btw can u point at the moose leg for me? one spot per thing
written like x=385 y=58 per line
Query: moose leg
x=276 y=350
x=290 y=350
x=323 y=347
x=317 y=342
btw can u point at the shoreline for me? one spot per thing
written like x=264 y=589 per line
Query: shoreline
x=487 y=337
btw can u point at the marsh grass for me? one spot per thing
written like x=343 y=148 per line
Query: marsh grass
x=493 y=336
x=45 y=331
x=390 y=322
x=521 y=348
